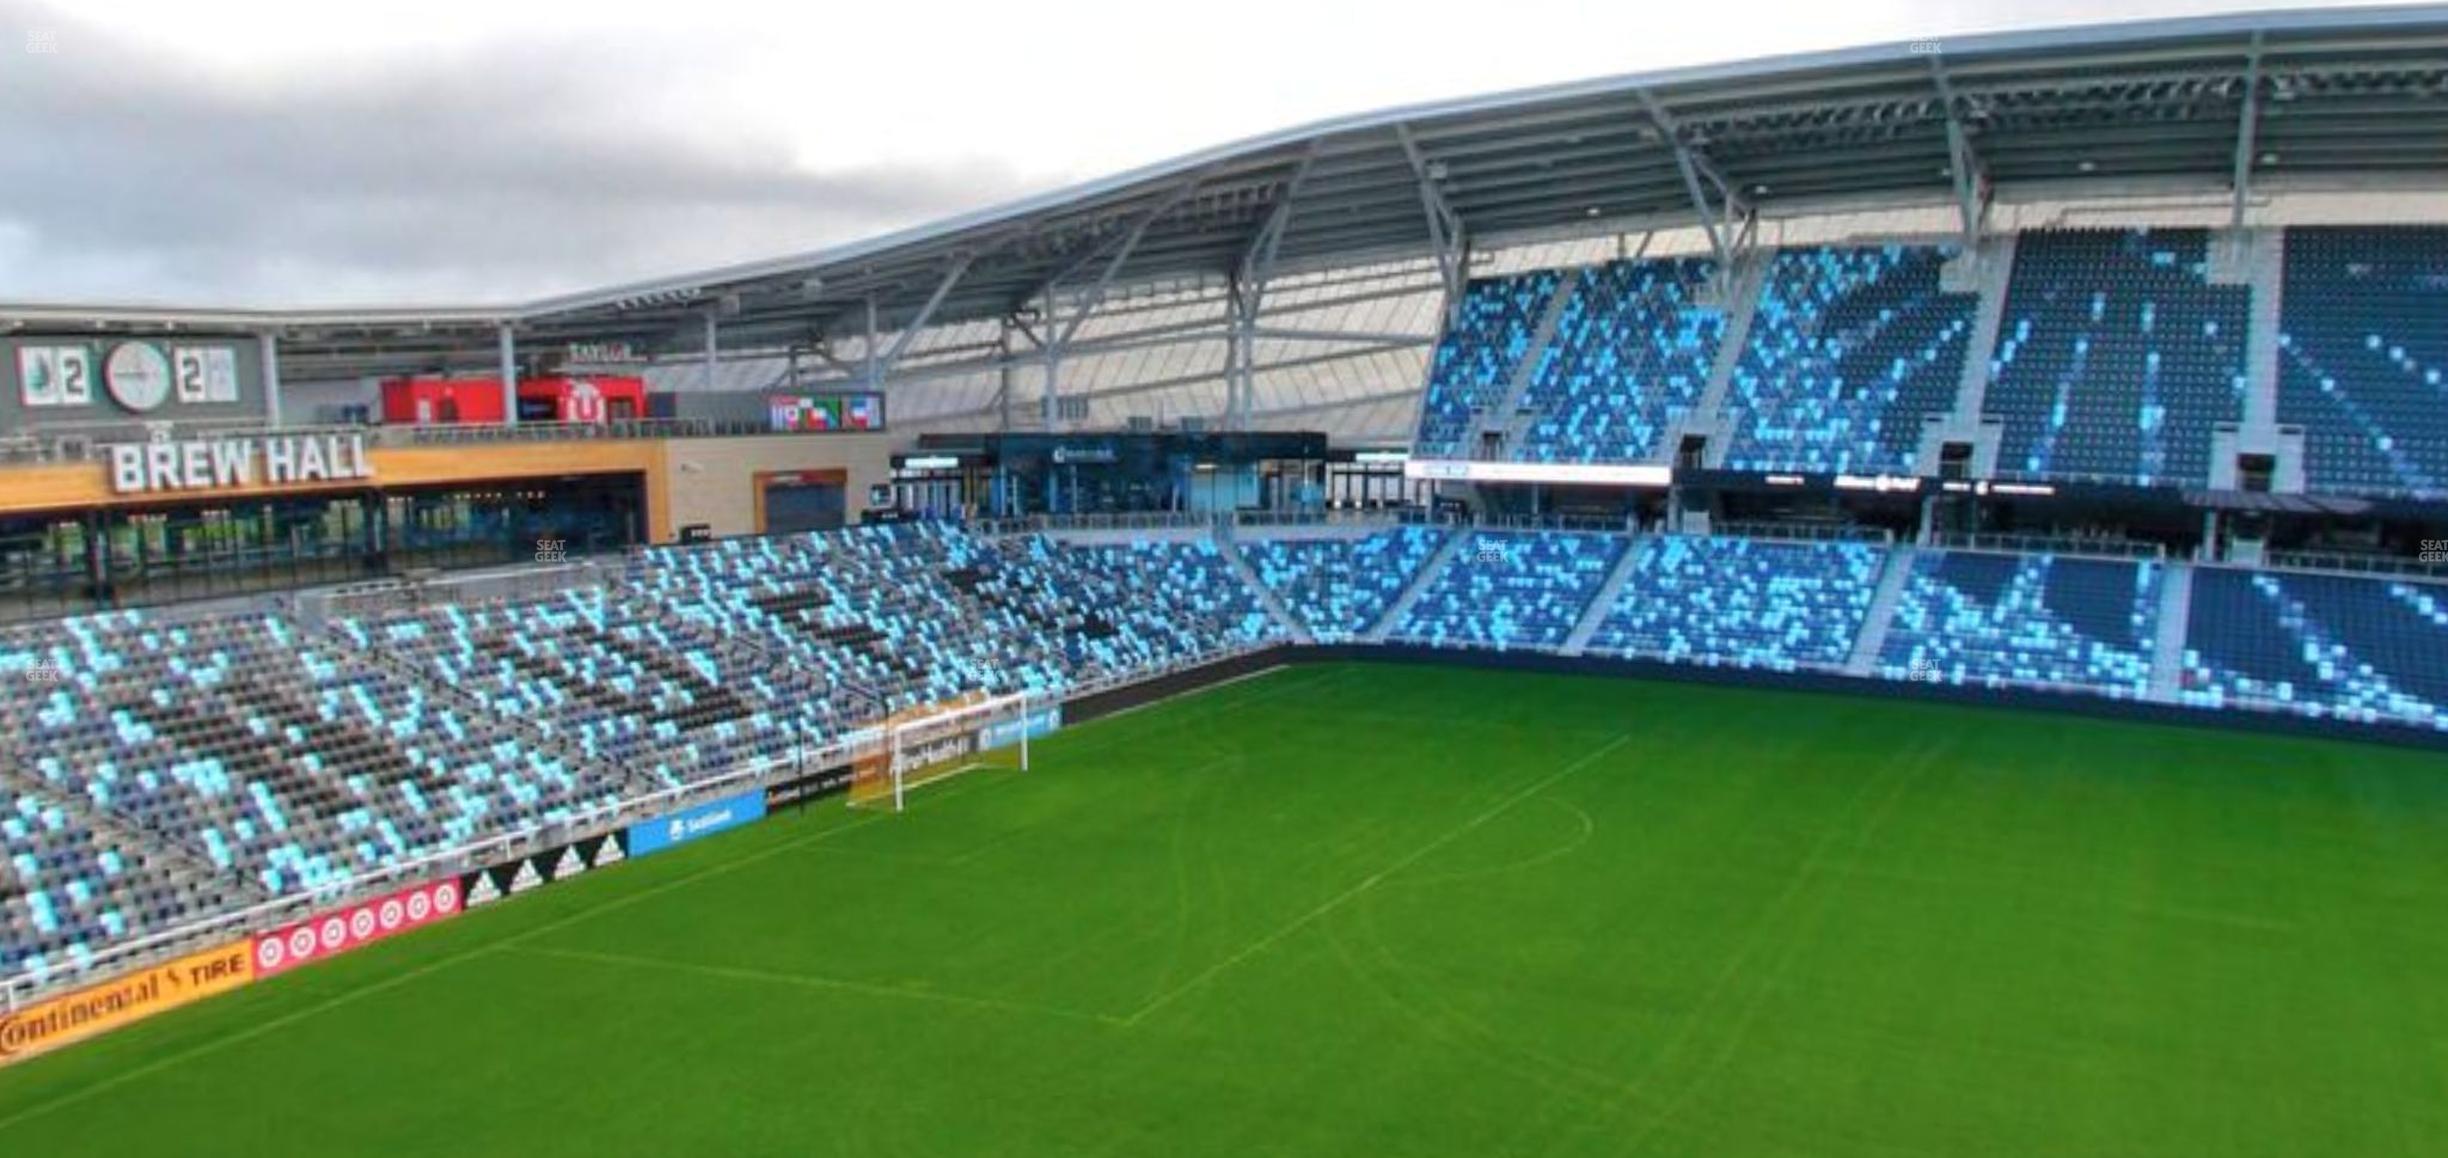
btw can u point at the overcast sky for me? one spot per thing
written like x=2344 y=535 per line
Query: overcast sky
x=464 y=151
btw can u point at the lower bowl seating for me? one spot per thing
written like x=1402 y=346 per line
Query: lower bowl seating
x=1978 y=619
x=1339 y=588
x=1755 y=603
x=1507 y=589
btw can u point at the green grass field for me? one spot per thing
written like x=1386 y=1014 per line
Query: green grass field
x=1380 y=910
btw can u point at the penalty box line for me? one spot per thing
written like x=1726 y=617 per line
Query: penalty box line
x=1373 y=880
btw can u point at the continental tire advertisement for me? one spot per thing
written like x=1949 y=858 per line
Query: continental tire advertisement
x=47 y=1025
x=558 y=863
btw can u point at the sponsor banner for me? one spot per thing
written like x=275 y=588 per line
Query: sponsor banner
x=941 y=751
x=47 y=1025
x=1005 y=733
x=559 y=863
x=1561 y=473
x=813 y=786
x=364 y=923
x=691 y=824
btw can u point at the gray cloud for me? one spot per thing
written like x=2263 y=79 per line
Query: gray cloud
x=497 y=175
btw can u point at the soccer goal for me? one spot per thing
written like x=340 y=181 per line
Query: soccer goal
x=919 y=746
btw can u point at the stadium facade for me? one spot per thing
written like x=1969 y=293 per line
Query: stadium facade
x=2097 y=367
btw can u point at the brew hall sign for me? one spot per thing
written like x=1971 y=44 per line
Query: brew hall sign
x=201 y=464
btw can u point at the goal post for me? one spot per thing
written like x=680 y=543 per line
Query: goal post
x=921 y=745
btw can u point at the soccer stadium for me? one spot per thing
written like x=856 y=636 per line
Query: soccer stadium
x=1891 y=601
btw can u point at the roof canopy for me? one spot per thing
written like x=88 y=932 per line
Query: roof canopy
x=2219 y=102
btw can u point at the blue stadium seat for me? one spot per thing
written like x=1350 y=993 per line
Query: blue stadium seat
x=1751 y=603
x=1479 y=354
x=1338 y=588
x=2363 y=358
x=2319 y=645
x=1510 y=589
x=1849 y=349
x=1975 y=619
x=1630 y=357
x=2115 y=356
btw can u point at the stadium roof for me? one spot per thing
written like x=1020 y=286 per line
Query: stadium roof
x=2213 y=102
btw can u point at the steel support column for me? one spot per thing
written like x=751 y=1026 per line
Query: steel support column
x=1445 y=230
x=267 y=345
x=1049 y=403
x=1113 y=268
x=1247 y=296
x=1695 y=167
x=926 y=313
x=509 y=376
x=873 y=365
x=2248 y=130
x=1964 y=168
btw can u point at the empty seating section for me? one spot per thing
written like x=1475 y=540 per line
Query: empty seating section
x=612 y=682
x=2322 y=645
x=67 y=889
x=1848 y=349
x=287 y=766
x=2115 y=356
x=2363 y=358
x=870 y=619
x=1511 y=589
x=1752 y=603
x=1339 y=588
x=1630 y=357
x=1152 y=601
x=1985 y=620
x=1481 y=349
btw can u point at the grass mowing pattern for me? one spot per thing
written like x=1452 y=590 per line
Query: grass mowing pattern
x=1389 y=910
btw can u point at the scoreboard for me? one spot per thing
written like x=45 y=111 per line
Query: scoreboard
x=81 y=381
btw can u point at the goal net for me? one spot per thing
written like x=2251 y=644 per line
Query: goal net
x=918 y=746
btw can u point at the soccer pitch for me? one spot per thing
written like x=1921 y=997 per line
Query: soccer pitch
x=1400 y=910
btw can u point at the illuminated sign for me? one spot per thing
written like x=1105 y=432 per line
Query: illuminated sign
x=220 y=463
x=931 y=462
x=1882 y=483
x=824 y=413
x=1570 y=473
x=2041 y=490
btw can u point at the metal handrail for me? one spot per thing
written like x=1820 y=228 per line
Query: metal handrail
x=2349 y=563
x=2019 y=544
x=1805 y=532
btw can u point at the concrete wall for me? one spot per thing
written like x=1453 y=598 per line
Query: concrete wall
x=714 y=480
